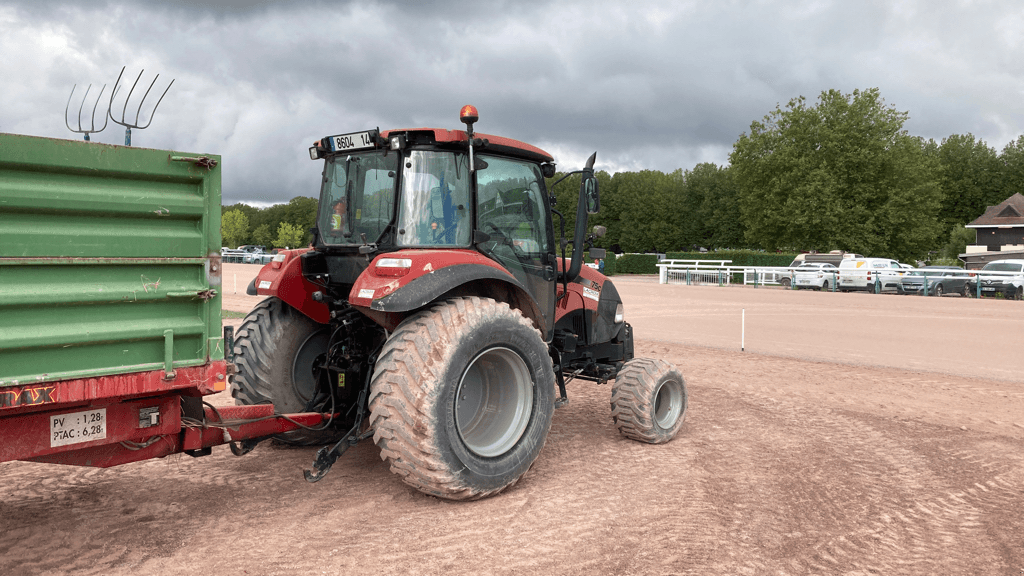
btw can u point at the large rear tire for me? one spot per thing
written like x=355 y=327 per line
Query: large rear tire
x=277 y=351
x=649 y=401
x=462 y=398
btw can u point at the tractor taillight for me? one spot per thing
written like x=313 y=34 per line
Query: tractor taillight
x=393 y=266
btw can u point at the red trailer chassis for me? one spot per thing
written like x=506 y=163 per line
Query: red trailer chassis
x=111 y=420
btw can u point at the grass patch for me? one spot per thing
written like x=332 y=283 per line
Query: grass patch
x=231 y=314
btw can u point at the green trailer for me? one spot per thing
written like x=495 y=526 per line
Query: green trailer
x=110 y=316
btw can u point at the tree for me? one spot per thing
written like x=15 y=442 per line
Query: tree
x=959 y=238
x=649 y=210
x=234 y=227
x=970 y=175
x=841 y=174
x=711 y=208
x=1012 y=180
x=289 y=236
x=262 y=235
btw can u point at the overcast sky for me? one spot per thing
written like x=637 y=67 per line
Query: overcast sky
x=659 y=85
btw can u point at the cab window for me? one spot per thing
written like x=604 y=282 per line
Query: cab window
x=511 y=205
x=434 y=208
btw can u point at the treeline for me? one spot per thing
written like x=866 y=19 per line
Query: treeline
x=839 y=174
x=277 y=226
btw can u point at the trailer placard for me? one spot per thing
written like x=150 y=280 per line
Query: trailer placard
x=77 y=427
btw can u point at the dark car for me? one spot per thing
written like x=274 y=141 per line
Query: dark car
x=941 y=280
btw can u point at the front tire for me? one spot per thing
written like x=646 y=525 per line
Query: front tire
x=938 y=290
x=278 y=351
x=462 y=398
x=649 y=401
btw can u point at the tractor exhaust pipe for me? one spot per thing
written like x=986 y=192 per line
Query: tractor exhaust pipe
x=589 y=203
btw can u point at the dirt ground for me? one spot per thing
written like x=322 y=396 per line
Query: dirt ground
x=855 y=434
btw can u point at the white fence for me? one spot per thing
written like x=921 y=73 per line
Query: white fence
x=712 y=272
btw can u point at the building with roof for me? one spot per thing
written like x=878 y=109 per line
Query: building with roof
x=998 y=233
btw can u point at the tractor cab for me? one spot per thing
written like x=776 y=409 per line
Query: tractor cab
x=391 y=196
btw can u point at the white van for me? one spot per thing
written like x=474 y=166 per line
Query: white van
x=870 y=274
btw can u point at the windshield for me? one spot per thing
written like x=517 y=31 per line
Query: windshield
x=358 y=198
x=434 y=209
x=1003 y=267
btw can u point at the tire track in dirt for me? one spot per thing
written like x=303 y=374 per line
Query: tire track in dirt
x=773 y=472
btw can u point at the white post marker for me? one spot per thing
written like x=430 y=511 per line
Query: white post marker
x=743 y=330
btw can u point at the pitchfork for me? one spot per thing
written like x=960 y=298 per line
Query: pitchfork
x=123 y=121
x=92 y=125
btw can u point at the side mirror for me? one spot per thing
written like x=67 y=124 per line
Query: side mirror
x=548 y=169
x=590 y=192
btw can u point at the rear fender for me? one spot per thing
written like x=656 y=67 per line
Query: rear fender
x=434 y=275
x=283 y=278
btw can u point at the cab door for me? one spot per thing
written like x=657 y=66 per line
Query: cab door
x=512 y=209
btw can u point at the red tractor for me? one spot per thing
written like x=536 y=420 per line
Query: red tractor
x=433 y=313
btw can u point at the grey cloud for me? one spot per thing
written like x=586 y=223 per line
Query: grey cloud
x=648 y=85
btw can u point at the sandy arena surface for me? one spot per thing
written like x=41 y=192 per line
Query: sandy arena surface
x=856 y=434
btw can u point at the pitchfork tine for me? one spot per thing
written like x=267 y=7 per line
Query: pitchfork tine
x=129 y=97
x=153 y=113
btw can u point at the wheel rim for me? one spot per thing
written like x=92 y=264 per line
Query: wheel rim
x=938 y=290
x=306 y=365
x=668 y=404
x=494 y=402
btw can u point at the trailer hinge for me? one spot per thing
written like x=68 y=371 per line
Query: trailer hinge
x=203 y=161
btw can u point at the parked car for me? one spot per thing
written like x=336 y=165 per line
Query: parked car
x=941 y=280
x=1009 y=285
x=784 y=276
x=870 y=274
x=816 y=275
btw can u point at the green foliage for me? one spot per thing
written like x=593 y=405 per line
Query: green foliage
x=289 y=236
x=959 y=238
x=262 y=236
x=839 y=175
x=738 y=257
x=234 y=227
x=299 y=212
x=637 y=264
x=971 y=179
x=1012 y=177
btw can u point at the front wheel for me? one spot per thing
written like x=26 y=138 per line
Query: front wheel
x=1019 y=294
x=938 y=290
x=649 y=400
x=824 y=286
x=462 y=397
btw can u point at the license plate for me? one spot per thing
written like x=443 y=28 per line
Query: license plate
x=78 y=427
x=988 y=289
x=353 y=141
